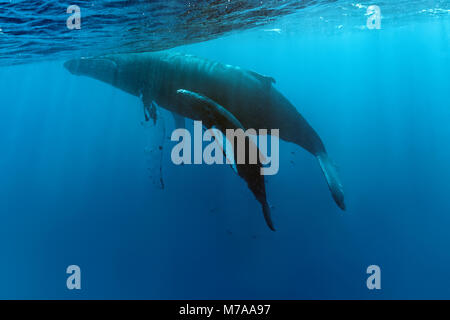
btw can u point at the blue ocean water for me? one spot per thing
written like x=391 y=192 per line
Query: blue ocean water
x=75 y=185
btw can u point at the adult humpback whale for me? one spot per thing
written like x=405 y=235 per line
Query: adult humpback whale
x=218 y=94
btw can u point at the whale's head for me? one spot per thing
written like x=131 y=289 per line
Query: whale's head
x=101 y=68
x=114 y=70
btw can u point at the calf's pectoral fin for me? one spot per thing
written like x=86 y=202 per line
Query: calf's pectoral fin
x=216 y=116
x=222 y=119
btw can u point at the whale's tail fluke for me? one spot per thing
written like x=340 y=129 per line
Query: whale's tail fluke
x=330 y=171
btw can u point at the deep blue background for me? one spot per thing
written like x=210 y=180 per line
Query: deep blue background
x=74 y=185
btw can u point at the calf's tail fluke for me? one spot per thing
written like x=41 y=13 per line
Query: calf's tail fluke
x=267 y=215
x=330 y=171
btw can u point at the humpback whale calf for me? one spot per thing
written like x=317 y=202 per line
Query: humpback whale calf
x=219 y=95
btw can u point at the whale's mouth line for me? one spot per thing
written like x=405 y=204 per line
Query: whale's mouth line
x=91 y=66
x=72 y=66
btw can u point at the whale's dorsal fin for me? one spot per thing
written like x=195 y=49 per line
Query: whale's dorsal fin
x=266 y=79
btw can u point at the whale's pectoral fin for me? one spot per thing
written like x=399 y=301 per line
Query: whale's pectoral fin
x=331 y=174
x=149 y=109
x=217 y=116
x=154 y=149
x=150 y=113
x=180 y=122
x=156 y=135
x=146 y=115
x=265 y=79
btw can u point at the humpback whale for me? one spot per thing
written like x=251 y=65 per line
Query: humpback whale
x=219 y=95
